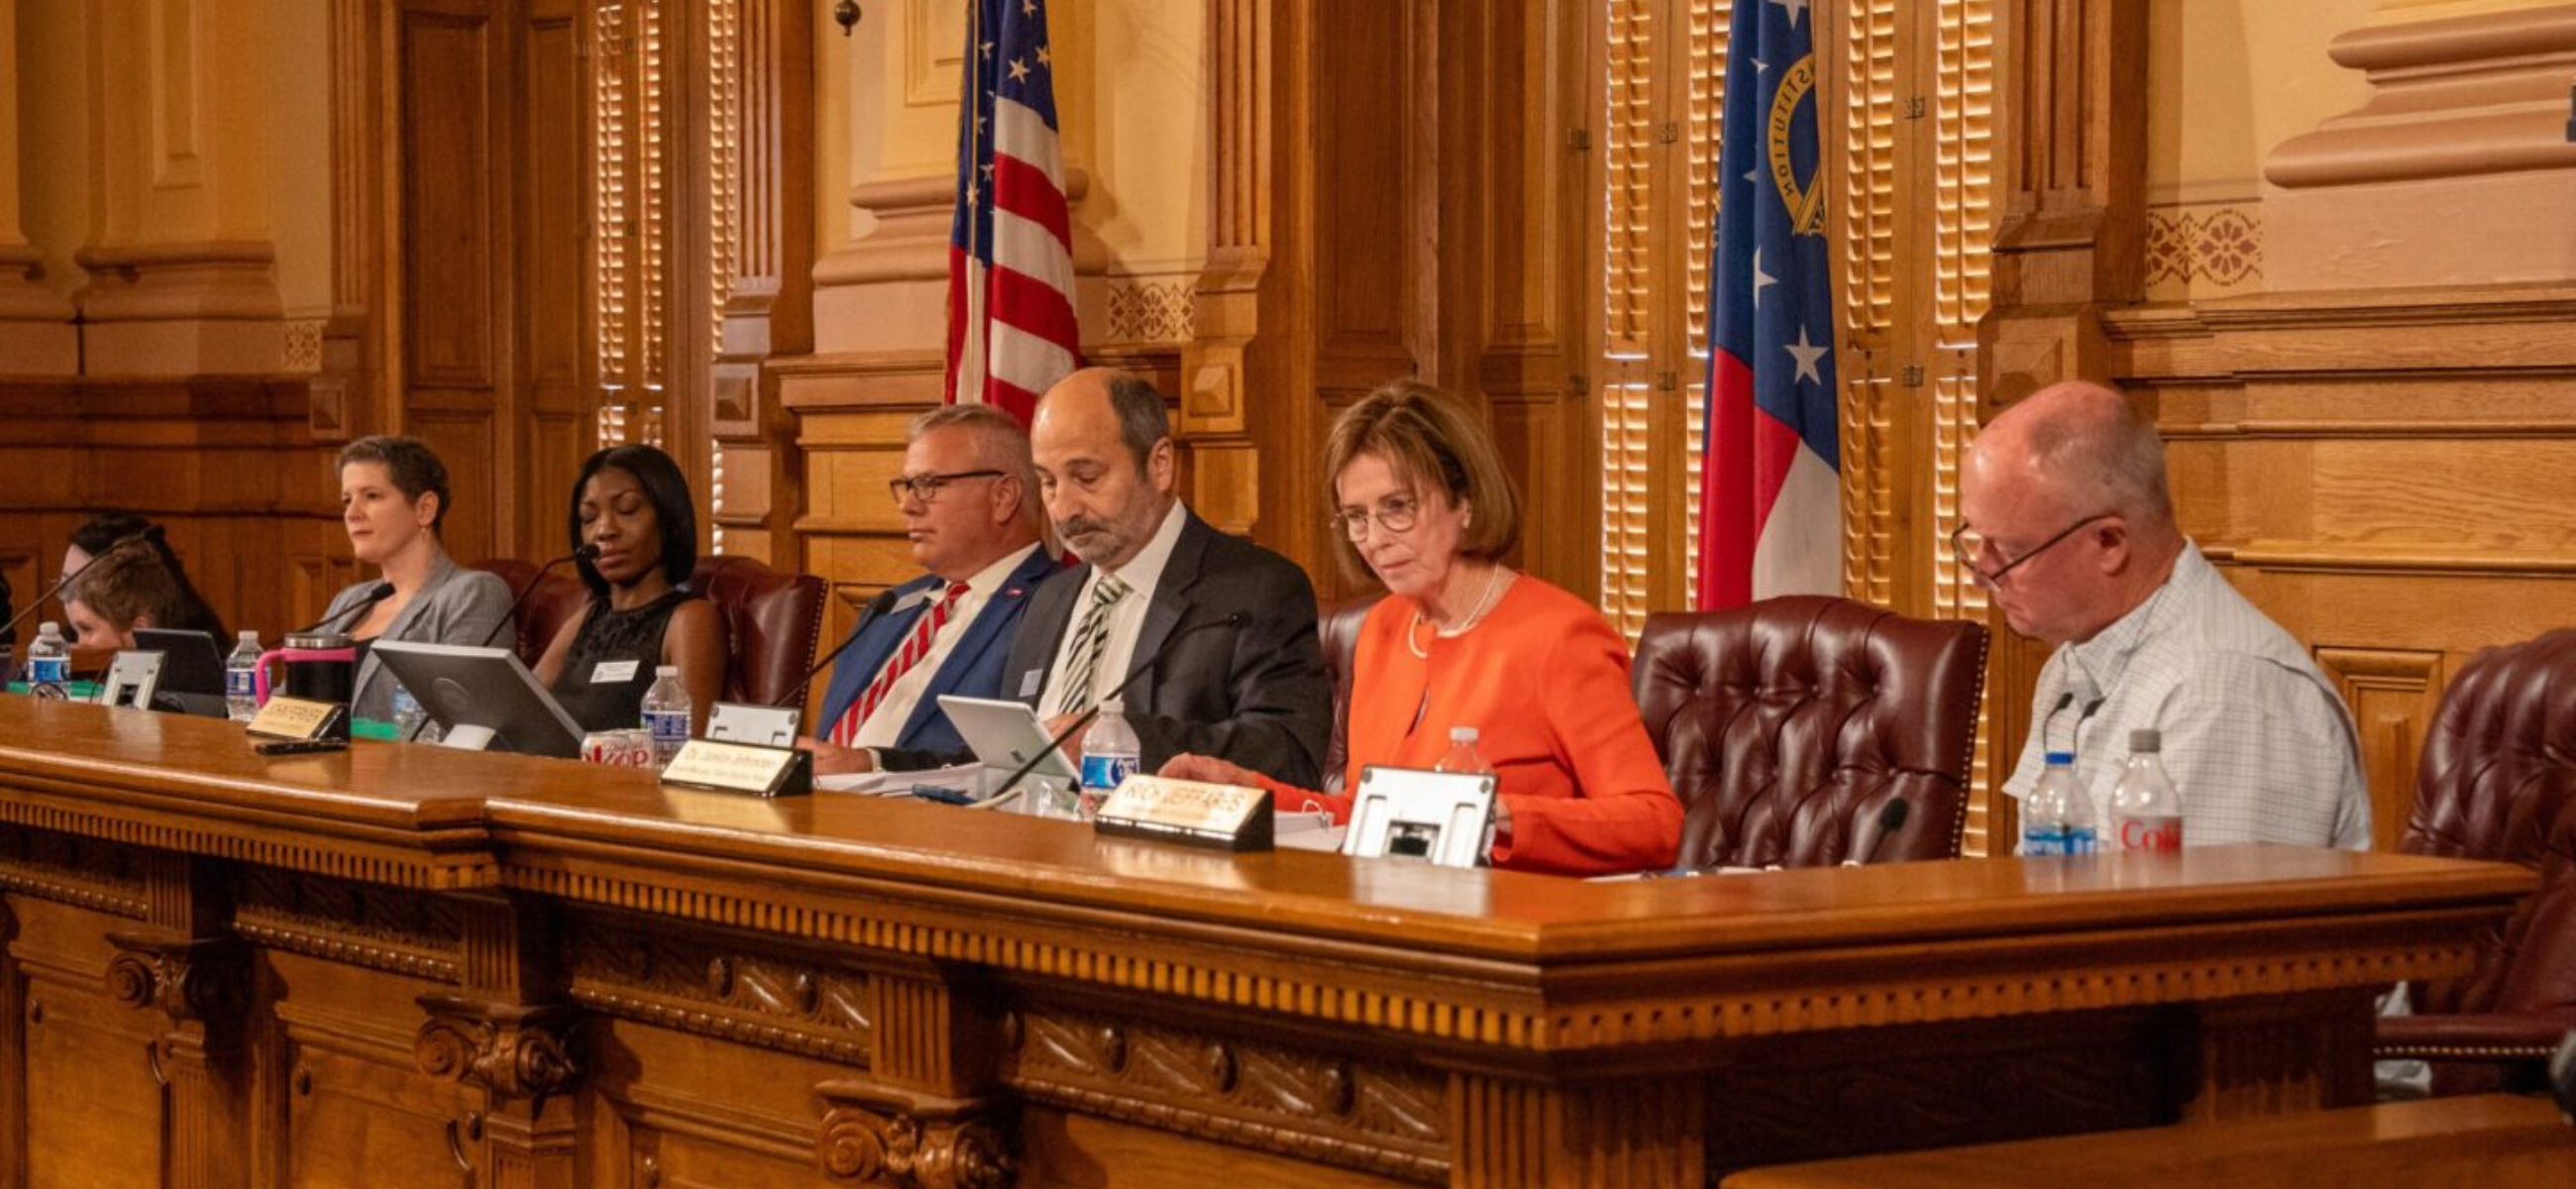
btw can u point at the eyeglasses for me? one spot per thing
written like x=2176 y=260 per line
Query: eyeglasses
x=1394 y=514
x=926 y=487
x=1967 y=545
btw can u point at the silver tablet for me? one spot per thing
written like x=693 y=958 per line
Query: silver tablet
x=1004 y=735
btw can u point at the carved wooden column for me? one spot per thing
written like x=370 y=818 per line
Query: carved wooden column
x=2070 y=244
x=927 y=1116
x=506 y=1035
x=186 y=965
x=1635 y=1133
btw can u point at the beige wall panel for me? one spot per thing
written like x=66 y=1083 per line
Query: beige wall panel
x=2229 y=79
x=2504 y=497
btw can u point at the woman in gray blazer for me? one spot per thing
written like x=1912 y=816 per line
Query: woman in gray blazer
x=393 y=495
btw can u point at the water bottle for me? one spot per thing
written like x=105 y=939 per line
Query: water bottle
x=666 y=714
x=2146 y=809
x=408 y=714
x=49 y=663
x=1110 y=754
x=1463 y=755
x=241 y=679
x=2057 y=816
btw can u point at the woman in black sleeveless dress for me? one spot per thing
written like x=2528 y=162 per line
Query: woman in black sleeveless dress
x=633 y=504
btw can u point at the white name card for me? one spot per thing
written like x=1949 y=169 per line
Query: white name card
x=741 y=768
x=1227 y=817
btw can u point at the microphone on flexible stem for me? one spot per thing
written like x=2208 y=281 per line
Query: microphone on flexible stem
x=880 y=605
x=1891 y=818
x=585 y=553
x=1071 y=729
x=152 y=533
x=350 y=615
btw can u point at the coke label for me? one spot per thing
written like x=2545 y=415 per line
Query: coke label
x=2151 y=833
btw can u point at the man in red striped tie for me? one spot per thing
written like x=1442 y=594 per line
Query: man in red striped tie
x=971 y=511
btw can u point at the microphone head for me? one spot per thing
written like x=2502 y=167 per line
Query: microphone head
x=382 y=591
x=1891 y=816
x=589 y=551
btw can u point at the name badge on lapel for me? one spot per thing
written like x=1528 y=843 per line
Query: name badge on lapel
x=1031 y=682
x=612 y=672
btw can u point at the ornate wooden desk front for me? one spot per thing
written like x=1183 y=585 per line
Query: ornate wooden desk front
x=405 y=966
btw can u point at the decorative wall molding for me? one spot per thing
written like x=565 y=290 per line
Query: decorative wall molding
x=71 y=869
x=715 y=989
x=346 y=921
x=205 y=979
x=880 y=1136
x=2204 y=250
x=1383 y=1118
x=513 y=1052
x=1152 y=309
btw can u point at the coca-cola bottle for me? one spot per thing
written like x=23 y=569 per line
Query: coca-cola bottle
x=2146 y=809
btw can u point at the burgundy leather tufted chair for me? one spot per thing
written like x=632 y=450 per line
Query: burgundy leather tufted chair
x=2498 y=782
x=1339 y=625
x=772 y=620
x=1787 y=725
x=549 y=607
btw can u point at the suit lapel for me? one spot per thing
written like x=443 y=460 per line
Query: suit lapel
x=1171 y=603
x=980 y=637
x=1041 y=633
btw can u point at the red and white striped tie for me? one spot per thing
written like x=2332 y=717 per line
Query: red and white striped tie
x=914 y=648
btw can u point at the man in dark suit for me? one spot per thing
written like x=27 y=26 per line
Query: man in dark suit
x=1244 y=676
x=973 y=523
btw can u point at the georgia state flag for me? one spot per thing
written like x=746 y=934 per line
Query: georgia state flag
x=1771 y=486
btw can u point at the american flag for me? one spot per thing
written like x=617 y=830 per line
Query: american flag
x=1011 y=326
x=1771 y=487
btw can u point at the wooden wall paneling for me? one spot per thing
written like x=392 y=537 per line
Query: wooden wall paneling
x=764 y=141
x=554 y=327
x=2392 y=695
x=454 y=83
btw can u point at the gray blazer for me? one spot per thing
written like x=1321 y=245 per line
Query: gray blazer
x=458 y=606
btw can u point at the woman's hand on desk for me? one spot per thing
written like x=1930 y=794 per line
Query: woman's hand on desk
x=832 y=759
x=1208 y=769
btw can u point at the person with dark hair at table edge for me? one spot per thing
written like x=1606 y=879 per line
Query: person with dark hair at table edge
x=633 y=503
x=101 y=534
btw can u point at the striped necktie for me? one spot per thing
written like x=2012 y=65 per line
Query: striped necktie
x=914 y=648
x=1083 y=662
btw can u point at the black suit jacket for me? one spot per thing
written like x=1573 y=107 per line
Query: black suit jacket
x=1256 y=694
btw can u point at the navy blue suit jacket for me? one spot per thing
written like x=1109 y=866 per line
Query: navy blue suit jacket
x=973 y=668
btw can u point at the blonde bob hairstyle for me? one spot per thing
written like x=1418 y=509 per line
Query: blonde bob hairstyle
x=1434 y=447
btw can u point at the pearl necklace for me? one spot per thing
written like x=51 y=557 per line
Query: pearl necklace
x=1466 y=624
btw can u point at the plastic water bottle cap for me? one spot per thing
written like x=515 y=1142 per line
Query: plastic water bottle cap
x=666 y=670
x=1462 y=734
x=2061 y=759
x=246 y=638
x=2146 y=739
x=49 y=628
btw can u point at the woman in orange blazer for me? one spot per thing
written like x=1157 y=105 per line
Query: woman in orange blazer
x=1422 y=501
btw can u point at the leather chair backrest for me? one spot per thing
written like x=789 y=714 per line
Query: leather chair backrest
x=1339 y=627
x=773 y=621
x=554 y=603
x=1786 y=726
x=2498 y=782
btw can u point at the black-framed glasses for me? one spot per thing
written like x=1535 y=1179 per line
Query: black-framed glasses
x=1967 y=545
x=926 y=487
x=1395 y=514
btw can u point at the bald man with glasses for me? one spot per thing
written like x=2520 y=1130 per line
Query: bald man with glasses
x=2068 y=524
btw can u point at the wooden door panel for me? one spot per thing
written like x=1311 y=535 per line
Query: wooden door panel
x=94 y=1112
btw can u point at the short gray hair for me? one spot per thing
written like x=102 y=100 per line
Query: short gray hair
x=1001 y=442
x=2113 y=463
x=1142 y=423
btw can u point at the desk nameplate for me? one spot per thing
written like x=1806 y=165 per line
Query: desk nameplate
x=1195 y=813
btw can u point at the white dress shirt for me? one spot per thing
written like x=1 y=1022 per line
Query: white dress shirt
x=2255 y=737
x=1142 y=574
x=885 y=727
